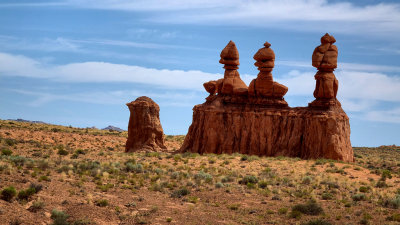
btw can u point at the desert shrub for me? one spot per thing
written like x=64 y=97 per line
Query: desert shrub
x=42 y=164
x=44 y=178
x=177 y=157
x=282 y=211
x=227 y=179
x=393 y=203
x=137 y=168
x=6 y=151
x=386 y=174
x=10 y=141
x=102 y=202
x=208 y=178
x=359 y=197
x=262 y=184
x=36 y=206
x=37 y=187
x=249 y=180
x=234 y=206
x=327 y=196
x=18 y=160
x=80 y=151
x=180 y=193
x=219 y=185
x=317 y=222
x=381 y=184
x=394 y=217
x=307 y=180
x=62 y=152
x=310 y=208
x=59 y=217
x=295 y=214
x=8 y=193
x=364 y=189
x=25 y=194
x=244 y=158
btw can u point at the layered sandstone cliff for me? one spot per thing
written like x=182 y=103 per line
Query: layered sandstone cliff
x=261 y=123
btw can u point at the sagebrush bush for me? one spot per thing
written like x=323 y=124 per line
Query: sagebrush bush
x=249 y=180
x=393 y=203
x=8 y=193
x=310 y=208
x=59 y=217
x=180 y=193
x=6 y=151
x=359 y=197
x=25 y=194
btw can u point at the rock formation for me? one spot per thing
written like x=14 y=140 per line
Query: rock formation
x=264 y=86
x=259 y=122
x=144 y=129
x=231 y=84
x=324 y=59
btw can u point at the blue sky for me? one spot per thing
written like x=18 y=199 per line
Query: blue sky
x=77 y=62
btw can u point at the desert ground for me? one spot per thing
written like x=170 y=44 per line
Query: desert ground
x=53 y=174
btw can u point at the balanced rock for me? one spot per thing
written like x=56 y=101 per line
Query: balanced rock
x=324 y=58
x=260 y=122
x=231 y=84
x=264 y=86
x=144 y=129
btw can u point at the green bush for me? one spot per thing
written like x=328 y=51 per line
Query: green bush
x=62 y=152
x=203 y=176
x=317 y=222
x=6 y=151
x=394 y=217
x=102 y=202
x=359 y=197
x=364 y=189
x=8 y=193
x=393 y=203
x=310 y=208
x=59 y=217
x=25 y=194
x=180 y=193
x=137 y=168
x=249 y=179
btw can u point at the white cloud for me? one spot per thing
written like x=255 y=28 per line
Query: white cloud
x=166 y=98
x=389 y=116
x=304 y=15
x=359 y=91
x=14 y=65
x=310 y=15
x=342 y=66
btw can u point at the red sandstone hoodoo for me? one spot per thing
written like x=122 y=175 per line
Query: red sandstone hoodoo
x=258 y=121
x=144 y=129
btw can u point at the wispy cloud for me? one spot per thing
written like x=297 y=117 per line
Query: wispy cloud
x=389 y=116
x=120 y=97
x=382 y=19
x=343 y=66
x=359 y=91
x=304 y=15
x=16 y=65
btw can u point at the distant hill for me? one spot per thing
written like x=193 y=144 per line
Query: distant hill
x=28 y=121
x=113 y=128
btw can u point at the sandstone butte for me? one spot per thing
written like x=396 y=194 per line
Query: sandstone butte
x=144 y=129
x=257 y=120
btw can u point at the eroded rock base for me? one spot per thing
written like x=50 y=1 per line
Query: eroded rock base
x=266 y=130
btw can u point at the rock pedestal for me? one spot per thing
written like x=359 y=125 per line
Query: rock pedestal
x=144 y=129
x=261 y=123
